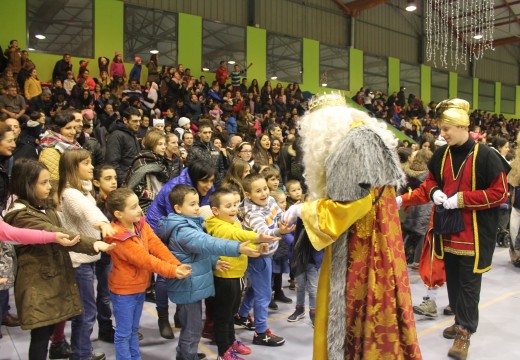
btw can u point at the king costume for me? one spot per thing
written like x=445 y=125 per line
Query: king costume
x=364 y=307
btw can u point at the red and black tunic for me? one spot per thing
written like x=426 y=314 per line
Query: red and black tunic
x=483 y=187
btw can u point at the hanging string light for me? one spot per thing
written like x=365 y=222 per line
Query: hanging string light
x=458 y=31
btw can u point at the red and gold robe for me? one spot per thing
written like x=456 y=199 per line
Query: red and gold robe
x=380 y=321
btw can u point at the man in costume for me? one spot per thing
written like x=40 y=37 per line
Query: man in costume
x=364 y=307
x=471 y=177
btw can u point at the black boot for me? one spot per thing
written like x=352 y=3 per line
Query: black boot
x=176 y=319
x=164 y=324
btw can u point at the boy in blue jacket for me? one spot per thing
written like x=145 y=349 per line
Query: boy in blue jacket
x=182 y=231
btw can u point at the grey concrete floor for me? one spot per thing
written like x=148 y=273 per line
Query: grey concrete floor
x=497 y=336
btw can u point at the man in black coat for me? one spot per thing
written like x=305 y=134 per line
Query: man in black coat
x=122 y=144
x=61 y=68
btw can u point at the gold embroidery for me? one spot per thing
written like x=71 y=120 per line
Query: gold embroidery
x=459 y=252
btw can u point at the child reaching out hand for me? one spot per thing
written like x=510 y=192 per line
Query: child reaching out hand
x=138 y=254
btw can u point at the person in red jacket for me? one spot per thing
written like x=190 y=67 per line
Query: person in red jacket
x=138 y=254
x=117 y=68
x=222 y=75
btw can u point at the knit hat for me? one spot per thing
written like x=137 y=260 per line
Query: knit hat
x=118 y=53
x=88 y=114
x=158 y=122
x=137 y=59
x=183 y=121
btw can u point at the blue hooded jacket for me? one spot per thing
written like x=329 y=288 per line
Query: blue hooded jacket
x=191 y=245
x=161 y=204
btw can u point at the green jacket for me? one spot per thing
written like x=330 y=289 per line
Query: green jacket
x=45 y=288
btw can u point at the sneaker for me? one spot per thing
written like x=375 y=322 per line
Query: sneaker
x=280 y=296
x=106 y=336
x=427 y=308
x=459 y=350
x=61 y=350
x=98 y=356
x=451 y=332
x=298 y=314
x=312 y=315
x=273 y=305
x=244 y=322
x=240 y=348
x=268 y=339
x=229 y=355
x=448 y=311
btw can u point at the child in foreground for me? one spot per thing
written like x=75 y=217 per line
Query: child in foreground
x=224 y=224
x=262 y=215
x=182 y=230
x=139 y=252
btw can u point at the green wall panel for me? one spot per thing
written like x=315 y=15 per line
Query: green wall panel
x=475 y=93
x=190 y=43
x=498 y=96
x=256 y=54
x=311 y=66
x=394 y=74
x=356 y=70
x=453 y=84
x=426 y=84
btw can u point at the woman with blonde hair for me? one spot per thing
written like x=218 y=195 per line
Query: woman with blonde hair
x=238 y=170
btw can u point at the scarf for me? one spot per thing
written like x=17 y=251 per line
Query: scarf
x=57 y=141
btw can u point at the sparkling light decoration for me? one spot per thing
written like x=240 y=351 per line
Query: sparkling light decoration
x=458 y=31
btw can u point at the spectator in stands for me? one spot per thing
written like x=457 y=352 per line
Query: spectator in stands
x=235 y=76
x=205 y=151
x=254 y=89
x=221 y=75
x=401 y=98
x=122 y=143
x=29 y=138
x=43 y=103
x=13 y=105
x=172 y=156
x=152 y=65
x=117 y=68
x=195 y=108
x=261 y=153
x=32 y=86
x=14 y=57
x=135 y=73
x=62 y=68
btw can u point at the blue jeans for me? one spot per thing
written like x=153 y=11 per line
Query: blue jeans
x=104 y=313
x=127 y=312
x=307 y=281
x=259 y=292
x=161 y=292
x=83 y=324
x=190 y=316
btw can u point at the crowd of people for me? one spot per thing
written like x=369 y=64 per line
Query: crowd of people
x=85 y=157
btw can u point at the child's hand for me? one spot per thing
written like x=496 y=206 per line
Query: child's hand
x=222 y=265
x=106 y=229
x=266 y=238
x=292 y=214
x=103 y=246
x=246 y=250
x=263 y=248
x=285 y=228
x=183 y=271
x=63 y=239
x=3 y=280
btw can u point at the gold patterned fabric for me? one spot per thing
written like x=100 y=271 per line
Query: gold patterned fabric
x=380 y=321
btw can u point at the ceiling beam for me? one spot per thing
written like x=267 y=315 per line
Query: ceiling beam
x=357 y=6
x=495 y=7
x=506 y=41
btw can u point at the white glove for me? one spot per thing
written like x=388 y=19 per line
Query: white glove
x=439 y=197
x=452 y=202
x=399 y=201
x=292 y=214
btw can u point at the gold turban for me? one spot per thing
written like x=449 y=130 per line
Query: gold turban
x=453 y=112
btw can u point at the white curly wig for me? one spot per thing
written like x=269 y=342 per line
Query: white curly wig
x=322 y=130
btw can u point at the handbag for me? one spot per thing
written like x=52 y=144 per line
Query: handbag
x=449 y=221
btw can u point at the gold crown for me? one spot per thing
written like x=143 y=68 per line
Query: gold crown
x=326 y=100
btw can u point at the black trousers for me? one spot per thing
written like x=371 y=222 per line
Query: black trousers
x=225 y=305
x=40 y=342
x=463 y=289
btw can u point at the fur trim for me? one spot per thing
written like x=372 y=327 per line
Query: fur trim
x=337 y=324
x=413 y=173
x=322 y=131
x=361 y=161
x=514 y=175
